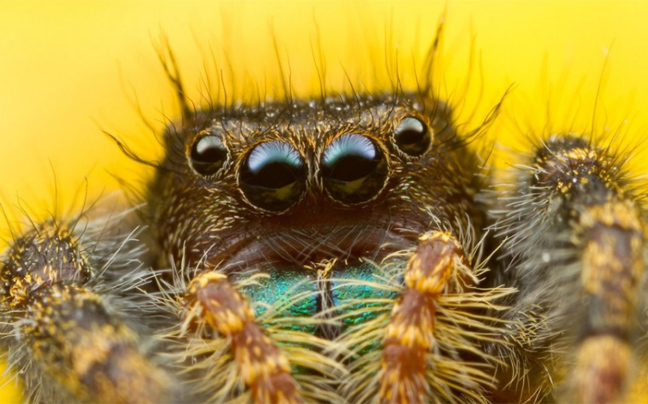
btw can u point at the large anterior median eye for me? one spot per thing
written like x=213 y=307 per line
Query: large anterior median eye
x=207 y=155
x=273 y=176
x=412 y=136
x=354 y=169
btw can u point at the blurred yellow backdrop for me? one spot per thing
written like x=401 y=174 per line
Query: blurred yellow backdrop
x=69 y=70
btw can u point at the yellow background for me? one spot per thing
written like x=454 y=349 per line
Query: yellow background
x=71 y=69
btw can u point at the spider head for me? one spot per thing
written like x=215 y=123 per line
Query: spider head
x=304 y=181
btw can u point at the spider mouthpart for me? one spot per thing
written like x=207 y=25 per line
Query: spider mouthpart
x=412 y=137
x=207 y=155
x=273 y=176
x=354 y=169
x=338 y=288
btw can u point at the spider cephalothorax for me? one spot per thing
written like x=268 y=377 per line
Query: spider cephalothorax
x=305 y=195
x=301 y=182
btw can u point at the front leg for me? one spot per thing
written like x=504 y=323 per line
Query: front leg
x=234 y=355
x=426 y=343
x=214 y=302
x=410 y=334
x=62 y=334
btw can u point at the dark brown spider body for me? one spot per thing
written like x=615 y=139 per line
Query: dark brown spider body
x=309 y=221
x=213 y=221
x=337 y=250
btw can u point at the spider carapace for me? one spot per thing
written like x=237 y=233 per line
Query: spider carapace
x=335 y=250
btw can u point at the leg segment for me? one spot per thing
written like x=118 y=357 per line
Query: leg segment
x=410 y=334
x=613 y=242
x=65 y=336
x=432 y=347
x=265 y=370
x=576 y=237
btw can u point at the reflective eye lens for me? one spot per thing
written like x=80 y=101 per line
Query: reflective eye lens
x=208 y=154
x=273 y=176
x=412 y=137
x=354 y=169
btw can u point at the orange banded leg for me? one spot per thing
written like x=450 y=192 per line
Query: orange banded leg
x=265 y=370
x=410 y=334
x=65 y=335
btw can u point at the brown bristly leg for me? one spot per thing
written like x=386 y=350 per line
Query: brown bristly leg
x=612 y=268
x=410 y=334
x=265 y=370
x=58 y=324
x=576 y=234
x=610 y=235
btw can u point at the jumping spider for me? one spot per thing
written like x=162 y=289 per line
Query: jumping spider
x=335 y=250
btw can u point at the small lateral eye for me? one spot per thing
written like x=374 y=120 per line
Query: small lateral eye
x=207 y=155
x=354 y=169
x=412 y=136
x=273 y=176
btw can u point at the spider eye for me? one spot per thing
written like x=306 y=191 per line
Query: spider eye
x=207 y=155
x=412 y=136
x=354 y=169
x=273 y=176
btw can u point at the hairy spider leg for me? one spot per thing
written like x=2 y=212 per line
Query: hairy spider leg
x=580 y=257
x=410 y=334
x=264 y=368
x=62 y=332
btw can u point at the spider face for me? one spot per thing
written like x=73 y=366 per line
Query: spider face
x=295 y=184
x=282 y=207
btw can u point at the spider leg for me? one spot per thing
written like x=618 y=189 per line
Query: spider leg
x=212 y=300
x=432 y=342
x=410 y=334
x=62 y=333
x=575 y=239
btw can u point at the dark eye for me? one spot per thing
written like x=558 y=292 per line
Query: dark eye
x=207 y=155
x=273 y=176
x=412 y=136
x=354 y=169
